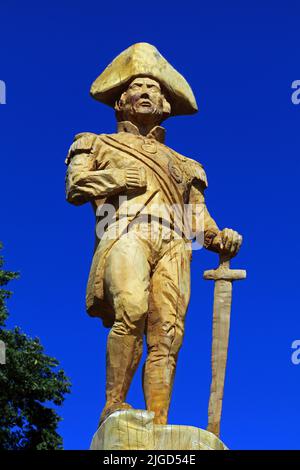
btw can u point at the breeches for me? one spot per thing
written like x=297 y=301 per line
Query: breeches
x=147 y=282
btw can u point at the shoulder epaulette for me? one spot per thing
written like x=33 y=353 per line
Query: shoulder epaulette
x=83 y=142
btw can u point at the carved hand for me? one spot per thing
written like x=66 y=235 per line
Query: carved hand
x=228 y=242
x=136 y=178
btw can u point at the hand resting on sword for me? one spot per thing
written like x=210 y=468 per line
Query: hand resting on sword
x=228 y=242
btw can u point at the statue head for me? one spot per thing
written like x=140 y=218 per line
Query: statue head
x=141 y=85
x=143 y=103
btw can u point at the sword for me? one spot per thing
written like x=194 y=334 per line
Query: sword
x=223 y=277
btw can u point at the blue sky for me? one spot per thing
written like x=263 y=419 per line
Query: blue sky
x=240 y=59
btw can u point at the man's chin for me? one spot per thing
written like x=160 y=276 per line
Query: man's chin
x=146 y=110
x=147 y=115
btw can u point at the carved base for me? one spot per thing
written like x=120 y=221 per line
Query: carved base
x=134 y=430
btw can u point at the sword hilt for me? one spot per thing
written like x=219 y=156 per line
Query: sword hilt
x=224 y=272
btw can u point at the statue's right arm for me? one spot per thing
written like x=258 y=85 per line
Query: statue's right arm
x=85 y=182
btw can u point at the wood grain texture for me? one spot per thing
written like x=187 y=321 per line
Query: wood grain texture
x=135 y=430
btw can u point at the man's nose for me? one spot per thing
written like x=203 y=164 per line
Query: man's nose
x=144 y=92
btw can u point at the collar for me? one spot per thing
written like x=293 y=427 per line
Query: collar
x=158 y=133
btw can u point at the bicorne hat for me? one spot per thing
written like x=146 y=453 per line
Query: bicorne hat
x=144 y=60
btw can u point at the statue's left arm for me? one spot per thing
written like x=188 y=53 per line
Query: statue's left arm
x=226 y=241
x=199 y=209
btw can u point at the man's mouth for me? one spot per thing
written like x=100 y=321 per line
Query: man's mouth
x=145 y=103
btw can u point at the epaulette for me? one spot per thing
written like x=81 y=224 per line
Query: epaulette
x=200 y=173
x=197 y=170
x=83 y=143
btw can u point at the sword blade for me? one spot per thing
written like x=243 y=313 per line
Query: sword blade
x=221 y=327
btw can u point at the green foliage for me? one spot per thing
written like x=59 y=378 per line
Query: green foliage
x=30 y=384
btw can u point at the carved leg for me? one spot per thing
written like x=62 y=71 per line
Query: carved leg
x=127 y=275
x=169 y=298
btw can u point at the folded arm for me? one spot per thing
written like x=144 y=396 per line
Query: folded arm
x=84 y=182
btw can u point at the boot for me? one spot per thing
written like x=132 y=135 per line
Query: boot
x=122 y=359
x=158 y=378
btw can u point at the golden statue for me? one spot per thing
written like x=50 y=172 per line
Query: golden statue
x=139 y=282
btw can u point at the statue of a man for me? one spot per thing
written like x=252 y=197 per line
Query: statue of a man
x=141 y=284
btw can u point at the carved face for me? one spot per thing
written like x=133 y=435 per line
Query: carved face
x=143 y=101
